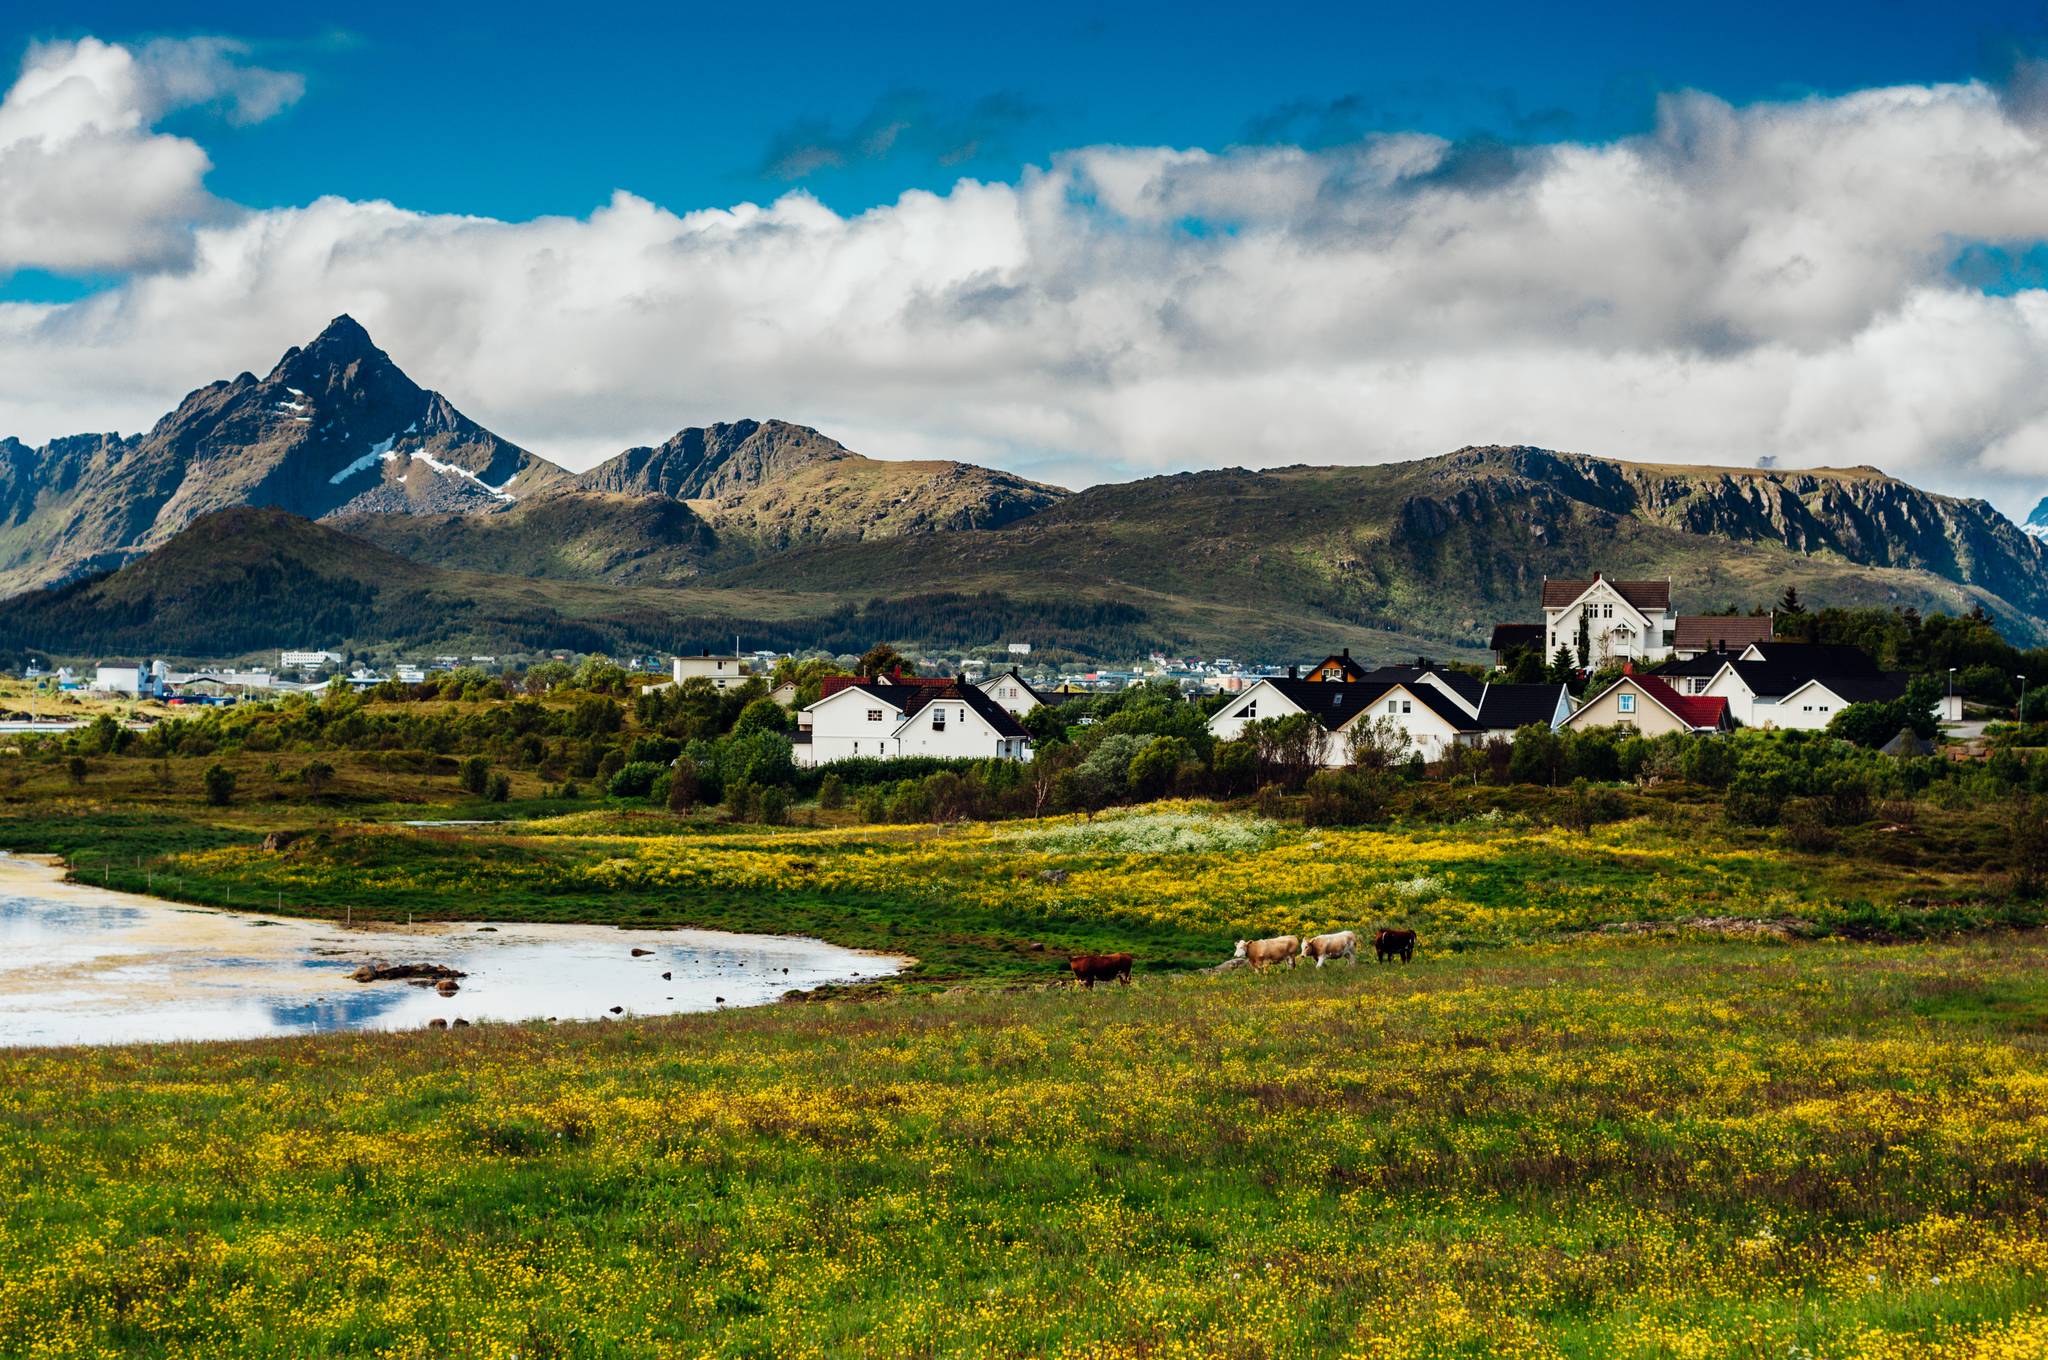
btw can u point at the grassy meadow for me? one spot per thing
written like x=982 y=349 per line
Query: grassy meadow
x=1662 y=1086
x=1606 y=1149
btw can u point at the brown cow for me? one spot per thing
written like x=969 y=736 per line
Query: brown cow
x=1392 y=943
x=1090 y=969
x=1279 y=949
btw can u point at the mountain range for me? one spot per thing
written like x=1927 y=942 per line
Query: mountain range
x=433 y=530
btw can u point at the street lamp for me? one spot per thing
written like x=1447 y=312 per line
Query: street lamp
x=2022 y=714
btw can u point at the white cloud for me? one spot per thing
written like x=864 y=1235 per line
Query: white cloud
x=1739 y=283
x=85 y=185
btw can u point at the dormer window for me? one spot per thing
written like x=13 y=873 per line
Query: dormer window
x=938 y=720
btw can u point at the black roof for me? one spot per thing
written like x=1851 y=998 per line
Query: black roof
x=1028 y=687
x=911 y=698
x=1706 y=664
x=1334 y=703
x=1467 y=687
x=1511 y=706
x=1819 y=658
x=1865 y=689
x=1509 y=637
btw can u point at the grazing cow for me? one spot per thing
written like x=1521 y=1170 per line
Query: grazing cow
x=1090 y=969
x=1392 y=943
x=1280 y=949
x=1342 y=944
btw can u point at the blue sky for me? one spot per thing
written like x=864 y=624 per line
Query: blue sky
x=1077 y=241
x=517 y=109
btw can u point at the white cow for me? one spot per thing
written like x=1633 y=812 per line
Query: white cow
x=1279 y=949
x=1342 y=944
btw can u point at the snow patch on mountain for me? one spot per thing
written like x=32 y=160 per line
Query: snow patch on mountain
x=379 y=452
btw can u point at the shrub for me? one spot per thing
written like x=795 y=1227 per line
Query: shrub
x=1152 y=769
x=635 y=780
x=499 y=788
x=1708 y=761
x=682 y=786
x=1346 y=798
x=774 y=802
x=219 y=783
x=1236 y=767
x=75 y=768
x=831 y=793
x=1587 y=806
x=614 y=760
x=1807 y=826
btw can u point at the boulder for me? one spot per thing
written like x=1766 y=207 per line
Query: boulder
x=460 y=1023
x=640 y=953
x=279 y=840
x=391 y=972
x=437 y=1023
x=447 y=987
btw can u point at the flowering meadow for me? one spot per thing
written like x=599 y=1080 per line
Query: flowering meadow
x=1608 y=1148
x=1175 y=883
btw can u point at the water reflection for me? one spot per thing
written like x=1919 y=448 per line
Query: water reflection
x=81 y=965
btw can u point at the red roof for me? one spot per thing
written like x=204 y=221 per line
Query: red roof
x=1695 y=710
x=1642 y=594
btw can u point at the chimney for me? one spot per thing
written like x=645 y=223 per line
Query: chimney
x=1596 y=575
x=1628 y=668
x=1347 y=653
x=1294 y=672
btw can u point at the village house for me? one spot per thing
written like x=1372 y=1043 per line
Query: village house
x=1600 y=620
x=1647 y=706
x=1432 y=709
x=1015 y=693
x=1700 y=634
x=1800 y=685
x=1337 y=668
x=724 y=672
x=882 y=719
x=1510 y=638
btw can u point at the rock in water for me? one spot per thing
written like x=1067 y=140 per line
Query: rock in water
x=639 y=953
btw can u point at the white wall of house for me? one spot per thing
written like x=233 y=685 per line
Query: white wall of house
x=724 y=672
x=120 y=679
x=949 y=728
x=1743 y=704
x=1427 y=731
x=1808 y=709
x=1011 y=693
x=1627 y=705
x=852 y=723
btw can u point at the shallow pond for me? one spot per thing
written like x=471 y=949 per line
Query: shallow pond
x=80 y=965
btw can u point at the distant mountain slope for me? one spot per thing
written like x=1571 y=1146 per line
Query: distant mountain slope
x=334 y=425
x=1440 y=549
x=251 y=580
x=772 y=484
x=568 y=536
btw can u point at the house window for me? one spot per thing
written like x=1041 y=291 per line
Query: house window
x=1393 y=706
x=1628 y=702
x=1251 y=710
x=1407 y=707
x=874 y=715
x=1670 y=637
x=938 y=720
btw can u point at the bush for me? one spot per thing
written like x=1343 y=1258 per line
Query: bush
x=1152 y=769
x=831 y=793
x=476 y=774
x=1588 y=806
x=1708 y=761
x=1807 y=826
x=1236 y=768
x=219 y=783
x=742 y=801
x=1346 y=798
x=682 y=786
x=774 y=802
x=75 y=768
x=635 y=780
x=614 y=760
x=499 y=789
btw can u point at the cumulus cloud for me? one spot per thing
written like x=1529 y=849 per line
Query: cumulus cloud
x=85 y=184
x=1769 y=281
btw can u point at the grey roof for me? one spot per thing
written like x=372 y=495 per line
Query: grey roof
x=1866 y=689
x=1508 y=637
x=1733 y=631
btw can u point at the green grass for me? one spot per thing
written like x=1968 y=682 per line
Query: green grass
x=1599 y=1150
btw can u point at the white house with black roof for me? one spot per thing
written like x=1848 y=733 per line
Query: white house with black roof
x=881 y=719
x=1013 y=692
x=1800 y=685
x=1434 y=709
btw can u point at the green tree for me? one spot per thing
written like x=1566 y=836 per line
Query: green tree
x=1789 y=603
x=881 y=659
x=75 y=767
x=475 y=773
x=499 y=788
x=762 y=715
x=682 y=786
x=1153 y=768
x=831 y=793
x=219 y=783
x=774 y=806
x=316 y=775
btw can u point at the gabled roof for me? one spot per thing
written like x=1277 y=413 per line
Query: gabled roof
x=1511 y=637
x=1335 y=703
x=1342 y=663
x=910 y=699
x=1818 y=658
x=1694 y=710
x=1466 y=687
x=1705 y=665
x=832 y=684
x=1731 y=632
x=1860 y=689
x=1011 y=674
x=1642 y=594
x=1506 y=707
